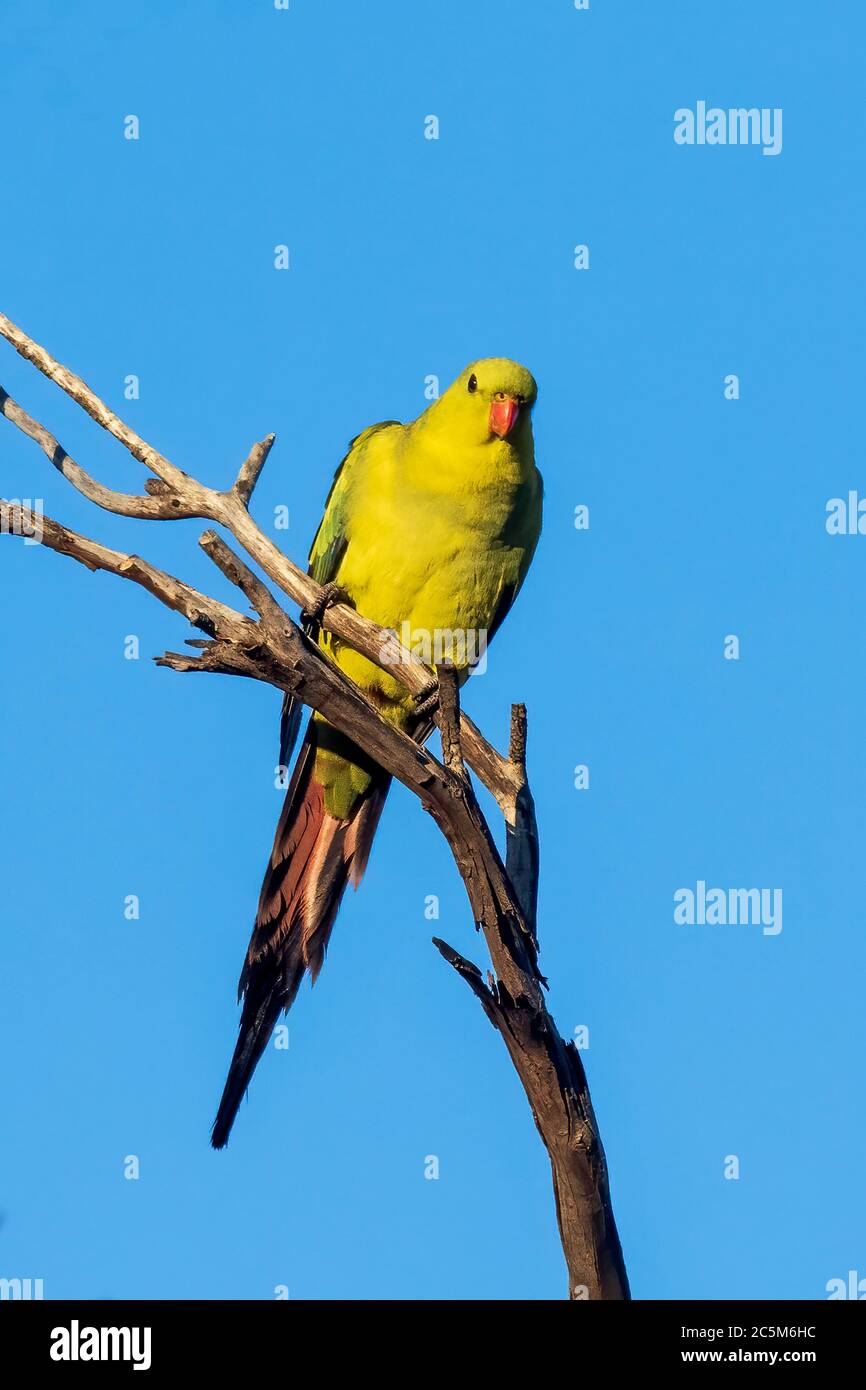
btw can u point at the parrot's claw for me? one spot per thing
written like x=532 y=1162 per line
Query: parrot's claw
x=427 y=699
x=331 y=594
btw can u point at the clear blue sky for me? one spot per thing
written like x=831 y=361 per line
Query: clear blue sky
x=410 y=257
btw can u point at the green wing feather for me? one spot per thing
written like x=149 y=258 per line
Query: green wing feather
x=325 y=558
x=330 y=544
x=530 y=523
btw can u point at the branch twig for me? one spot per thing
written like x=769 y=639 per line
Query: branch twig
x=449 y=720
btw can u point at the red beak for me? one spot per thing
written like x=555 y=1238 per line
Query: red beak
x=503 y=415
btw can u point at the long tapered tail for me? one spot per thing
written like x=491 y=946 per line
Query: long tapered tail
x=314 y=856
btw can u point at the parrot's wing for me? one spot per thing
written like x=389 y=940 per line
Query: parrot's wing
x=329 y=547
x=326 y=555
x=507 y=595
x=508 y=590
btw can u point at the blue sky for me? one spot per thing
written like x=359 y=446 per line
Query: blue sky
x=410 y=257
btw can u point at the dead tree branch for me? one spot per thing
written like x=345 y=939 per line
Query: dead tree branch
x=273 y=649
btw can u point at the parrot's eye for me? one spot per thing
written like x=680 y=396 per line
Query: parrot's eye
x=472 y=384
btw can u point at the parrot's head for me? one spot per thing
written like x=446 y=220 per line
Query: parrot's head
x=489 y=403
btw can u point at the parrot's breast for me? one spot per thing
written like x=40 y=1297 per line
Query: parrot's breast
x=433 y=562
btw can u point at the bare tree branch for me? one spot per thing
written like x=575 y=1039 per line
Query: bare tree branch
x=521 y=830
x=90 y=402
x=251 y=468
x=164 y=507
x=205 y=613
x=449 y=720
x=550 y=1069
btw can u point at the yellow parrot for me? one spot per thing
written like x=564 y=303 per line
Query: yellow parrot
x=429 y=529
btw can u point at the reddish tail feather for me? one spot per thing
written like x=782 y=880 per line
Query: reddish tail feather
x=313 y=858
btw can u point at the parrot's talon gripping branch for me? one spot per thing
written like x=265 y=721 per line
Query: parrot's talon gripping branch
x=426 y=700
x=314 y=612
x=271 y=648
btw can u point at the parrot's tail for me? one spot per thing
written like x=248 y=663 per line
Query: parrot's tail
x=314 y=856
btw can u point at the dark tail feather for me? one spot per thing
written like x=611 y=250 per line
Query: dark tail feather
x=314 y=857
x=261 y=1010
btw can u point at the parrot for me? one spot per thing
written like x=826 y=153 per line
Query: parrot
x=429 y=527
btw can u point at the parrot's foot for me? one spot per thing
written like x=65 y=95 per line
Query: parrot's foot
x=331 y=594
x=427 y=699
